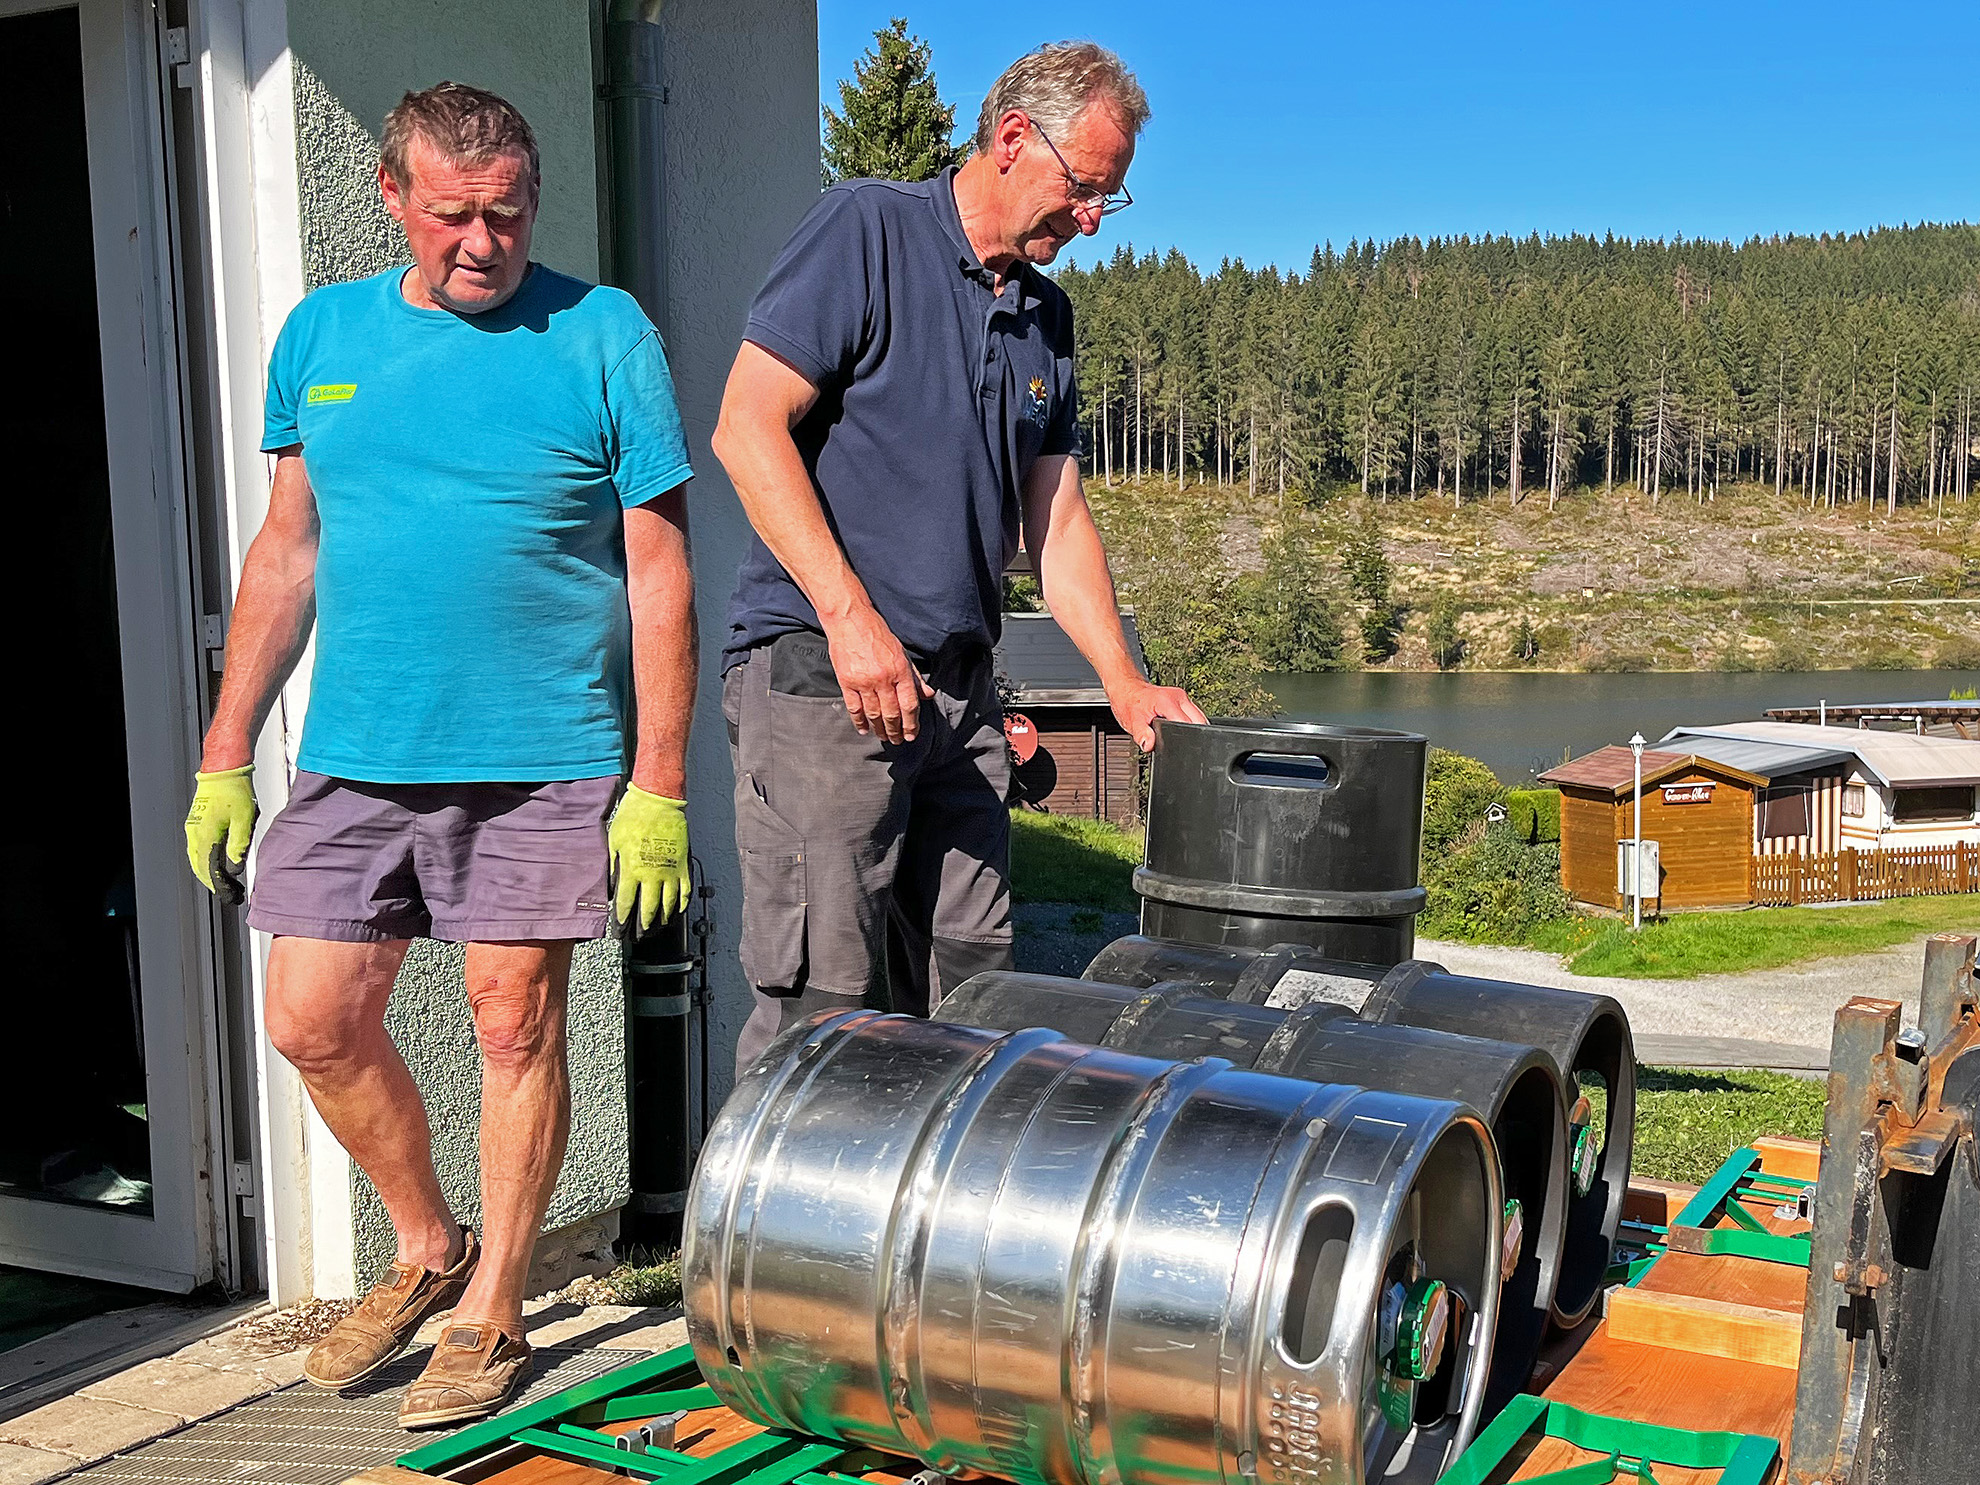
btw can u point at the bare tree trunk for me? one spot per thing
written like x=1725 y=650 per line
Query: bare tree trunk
x=1609 y=460
x=1780 y=429
x=1512 y=453
x=1890 y=483
x=1657 y=452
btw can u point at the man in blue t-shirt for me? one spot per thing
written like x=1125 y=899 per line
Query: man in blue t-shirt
x=478 y=499
x=902 y=412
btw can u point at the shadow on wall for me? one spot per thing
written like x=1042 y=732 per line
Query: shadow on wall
x=346 y=231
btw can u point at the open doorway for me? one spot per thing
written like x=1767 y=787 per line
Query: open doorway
x=73 y=1109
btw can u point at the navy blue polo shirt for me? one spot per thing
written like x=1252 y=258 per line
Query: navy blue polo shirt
x=936 y=396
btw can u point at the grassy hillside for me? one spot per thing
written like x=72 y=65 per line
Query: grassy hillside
x=1746 y=581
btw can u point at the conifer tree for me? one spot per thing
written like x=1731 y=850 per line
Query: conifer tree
x=893 y=124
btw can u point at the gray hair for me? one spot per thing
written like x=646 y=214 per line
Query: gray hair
x=1057 y=83
x=466 y=125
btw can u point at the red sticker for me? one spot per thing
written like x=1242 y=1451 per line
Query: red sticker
x=1021 y=735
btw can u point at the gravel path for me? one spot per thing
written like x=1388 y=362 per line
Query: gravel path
x=1792 y=1008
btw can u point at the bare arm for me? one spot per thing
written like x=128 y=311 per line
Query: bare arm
x=660 y=587
x=764 y=400
x=273 y=612
x=1072 y=573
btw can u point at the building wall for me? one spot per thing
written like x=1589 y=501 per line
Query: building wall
x=1588 y=846
x=1085 y=765
x=1706 y=850
x=742 y=167
x=354 y=61
x=1877 y=829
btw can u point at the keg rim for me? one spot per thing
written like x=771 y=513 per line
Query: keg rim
x=1293 y=727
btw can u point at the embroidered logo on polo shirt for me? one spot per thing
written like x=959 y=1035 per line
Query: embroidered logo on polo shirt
x=332 y=392
x=1035 y=409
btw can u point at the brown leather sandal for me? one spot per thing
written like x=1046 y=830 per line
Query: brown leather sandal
x=366 y=1341
x=475 y=1368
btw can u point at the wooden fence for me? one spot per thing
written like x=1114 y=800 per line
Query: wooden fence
x=1866 y=876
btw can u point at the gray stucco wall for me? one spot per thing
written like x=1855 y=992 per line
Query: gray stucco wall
x=742 y=167
x=355 y=60
x=430 y=1022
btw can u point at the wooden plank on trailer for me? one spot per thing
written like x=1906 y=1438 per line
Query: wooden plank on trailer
x=1706 y=1327
x=1781 y=1156
x=391 y=1474
x=1737 y=1281
x=1678 y=1389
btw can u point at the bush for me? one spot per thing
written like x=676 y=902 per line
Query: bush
x=1294 y=619
x=1456 y=793
x=1534 y=814
x=1185 y=598
x=1446 y=644
x=1495 y=889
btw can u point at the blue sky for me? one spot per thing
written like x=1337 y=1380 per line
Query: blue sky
x=1280 y=124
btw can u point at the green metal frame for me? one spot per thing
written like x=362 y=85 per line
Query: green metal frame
x=667 y=1383
x=1740 y=1176
x=1629 y=1448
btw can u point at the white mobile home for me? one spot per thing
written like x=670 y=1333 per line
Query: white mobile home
x=1864 y=789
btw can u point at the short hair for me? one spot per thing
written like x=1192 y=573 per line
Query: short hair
x=1057 y=83
x=467 y=125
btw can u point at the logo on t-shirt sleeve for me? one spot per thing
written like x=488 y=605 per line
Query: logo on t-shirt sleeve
x=1035 y=408
x=332 y=392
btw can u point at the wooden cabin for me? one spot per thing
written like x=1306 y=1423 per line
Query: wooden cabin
x=1085 y=764
x=1699 y=811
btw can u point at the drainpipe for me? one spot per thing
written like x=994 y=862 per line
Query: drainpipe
x=636 y=94
x=665 y=971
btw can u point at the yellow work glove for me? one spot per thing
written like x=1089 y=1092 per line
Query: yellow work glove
x=648 y=845
x=218 y=828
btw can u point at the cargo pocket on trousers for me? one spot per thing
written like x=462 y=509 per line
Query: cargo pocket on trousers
x=774 y=898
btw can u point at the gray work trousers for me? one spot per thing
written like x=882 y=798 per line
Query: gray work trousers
x=873 y=873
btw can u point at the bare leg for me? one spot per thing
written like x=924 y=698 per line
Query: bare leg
x=326 y=1015
x=517 y=992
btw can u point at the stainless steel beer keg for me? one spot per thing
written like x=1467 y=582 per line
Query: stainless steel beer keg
x=1019 y=1255
x=1587 y=1036
x=1516 y=1088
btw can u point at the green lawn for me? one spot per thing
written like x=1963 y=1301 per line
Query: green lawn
x=1688 y=1122
x=1688 y=944
x=1063 y=858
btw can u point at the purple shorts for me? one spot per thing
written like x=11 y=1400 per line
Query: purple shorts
x=469 y=863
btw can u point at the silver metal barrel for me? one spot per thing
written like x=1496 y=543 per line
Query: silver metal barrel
x=1019 y=1255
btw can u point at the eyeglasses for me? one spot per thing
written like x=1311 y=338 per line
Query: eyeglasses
x=1084 y=196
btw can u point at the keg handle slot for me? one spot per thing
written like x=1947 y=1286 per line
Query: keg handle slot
x=1283 y=770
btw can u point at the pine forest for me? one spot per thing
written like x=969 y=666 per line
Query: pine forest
x=1843 y=368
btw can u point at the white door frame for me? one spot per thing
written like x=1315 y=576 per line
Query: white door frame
x=249 y=240
x=178 y=1245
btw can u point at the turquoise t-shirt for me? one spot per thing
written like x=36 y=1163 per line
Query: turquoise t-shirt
x=469 y=472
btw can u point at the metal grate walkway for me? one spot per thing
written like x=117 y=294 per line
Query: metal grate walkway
x=303 y=1435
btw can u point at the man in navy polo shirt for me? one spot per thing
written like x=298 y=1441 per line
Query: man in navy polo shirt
x=902 y=411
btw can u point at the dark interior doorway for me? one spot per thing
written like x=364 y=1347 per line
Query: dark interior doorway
x=72 y=1102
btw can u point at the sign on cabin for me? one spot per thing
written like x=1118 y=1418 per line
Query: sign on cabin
x=1688 y=793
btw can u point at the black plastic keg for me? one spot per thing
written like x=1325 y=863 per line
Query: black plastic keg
x=1515 y=1088
x=1266 y=832
x=1587 y=1036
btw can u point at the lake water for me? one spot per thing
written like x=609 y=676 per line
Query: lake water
x=1521 y=722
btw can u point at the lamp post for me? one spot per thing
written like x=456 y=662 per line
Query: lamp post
x=1636 y=845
